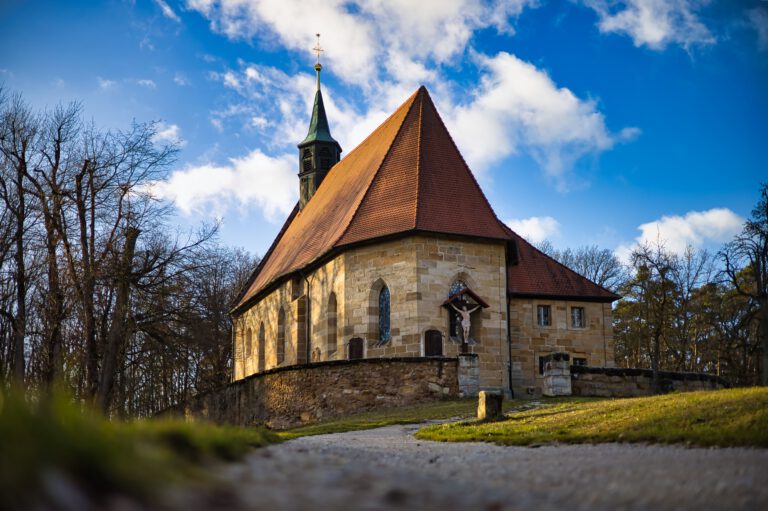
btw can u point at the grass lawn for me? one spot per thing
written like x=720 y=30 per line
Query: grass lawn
x=45 y=445
x=448 y=409
x=733 y=417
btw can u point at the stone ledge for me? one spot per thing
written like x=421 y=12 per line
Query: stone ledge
x=648 y=373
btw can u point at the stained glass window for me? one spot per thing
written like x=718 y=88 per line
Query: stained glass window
x=384 y=314
x=454 y=327
x=457 y=287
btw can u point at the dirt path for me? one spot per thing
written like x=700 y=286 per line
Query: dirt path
x=388 y=469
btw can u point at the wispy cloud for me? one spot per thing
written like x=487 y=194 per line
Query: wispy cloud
x=180 y=79
x=654 y=23
x=149 y=84
x=758 y=20
x=169 y=133
x=105 y=83
x=167 y=11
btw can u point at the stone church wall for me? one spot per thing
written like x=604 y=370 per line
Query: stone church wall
x=593 y=343
x=292 y=396
x=419 y=271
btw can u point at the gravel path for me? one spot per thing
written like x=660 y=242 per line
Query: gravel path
x=388 y=469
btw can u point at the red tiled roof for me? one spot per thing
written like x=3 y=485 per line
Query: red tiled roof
x=535 y=274
x=407 y=176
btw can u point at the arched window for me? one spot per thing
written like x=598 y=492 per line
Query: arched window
x=384 y=314
x=433 y=343
x=248 y=344
x=261 y=358
x=280 y=336
x=355 y=348
x=332 y=326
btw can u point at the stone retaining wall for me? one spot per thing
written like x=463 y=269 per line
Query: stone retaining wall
x=296 y=395
x=616 y=382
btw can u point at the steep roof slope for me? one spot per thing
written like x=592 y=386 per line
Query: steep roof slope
x=404 y=177
x=538 y=275
x=407 y=176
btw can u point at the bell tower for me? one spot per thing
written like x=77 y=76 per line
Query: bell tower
x=319 y=151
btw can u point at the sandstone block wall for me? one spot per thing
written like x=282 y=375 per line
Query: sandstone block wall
x=617 y=382
x=593 y=342
x=292 y=396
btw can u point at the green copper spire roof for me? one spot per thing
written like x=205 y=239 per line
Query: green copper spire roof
x=318 y=126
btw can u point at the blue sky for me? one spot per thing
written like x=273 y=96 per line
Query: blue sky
x=585 y=121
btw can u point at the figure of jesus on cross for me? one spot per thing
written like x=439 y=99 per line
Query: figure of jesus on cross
x=465 y=321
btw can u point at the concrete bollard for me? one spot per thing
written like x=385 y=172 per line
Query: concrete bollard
x=489 y=405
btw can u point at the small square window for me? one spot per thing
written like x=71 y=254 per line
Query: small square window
x=577 y=317
x=579 y=361
x=544 y=315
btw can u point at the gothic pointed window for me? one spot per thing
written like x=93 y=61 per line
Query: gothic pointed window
x=280 y=336
x=384 y=331
x=332 y=326
x=260 y=367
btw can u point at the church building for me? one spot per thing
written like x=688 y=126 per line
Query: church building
x=394 y=251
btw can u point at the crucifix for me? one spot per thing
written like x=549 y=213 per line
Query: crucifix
x=465 y=321
x=318 y=67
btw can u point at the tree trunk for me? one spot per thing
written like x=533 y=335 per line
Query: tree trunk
x=763 y=335
x=20 y=319
x=117 y=331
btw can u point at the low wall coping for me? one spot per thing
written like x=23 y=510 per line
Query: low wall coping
x=668 y=375
x=329 y=363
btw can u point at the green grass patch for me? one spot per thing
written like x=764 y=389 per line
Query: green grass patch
x=733 y=417
x=448 y=409
x=54 y=442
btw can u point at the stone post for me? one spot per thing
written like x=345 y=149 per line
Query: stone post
x=557 y=375
x=489 y=405
x=469 y=375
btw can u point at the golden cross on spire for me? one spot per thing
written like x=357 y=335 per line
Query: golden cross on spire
x=318 y=49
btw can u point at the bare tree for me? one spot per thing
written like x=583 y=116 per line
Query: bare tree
x=601 y=266
x=748 y=252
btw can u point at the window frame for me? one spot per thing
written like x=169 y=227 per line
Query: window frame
x=539 y=308
x=583 y=321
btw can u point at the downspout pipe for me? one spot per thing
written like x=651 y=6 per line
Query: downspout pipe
x=308 y=321
x=509 y=347
x=234 y=352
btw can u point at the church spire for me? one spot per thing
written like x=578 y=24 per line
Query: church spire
x=319 y=151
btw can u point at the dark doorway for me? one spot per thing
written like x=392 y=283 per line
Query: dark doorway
x=355 y=348
x=433 y=343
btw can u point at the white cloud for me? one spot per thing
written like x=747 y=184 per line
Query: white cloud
x=267 y=182
x=180 y=79
x=695 y=228
x=149 y=84
x=385 y=50
x=519 y=106
x=105 y=84
x=536 y=228
x=369 y=37
x=167 y=11
x=654 y=23
x=758 y=19
x=169 y=133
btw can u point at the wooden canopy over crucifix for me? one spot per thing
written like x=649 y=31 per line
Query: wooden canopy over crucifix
x=460 y=298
